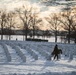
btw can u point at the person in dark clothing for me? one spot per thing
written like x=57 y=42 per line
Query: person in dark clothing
x=55 y=52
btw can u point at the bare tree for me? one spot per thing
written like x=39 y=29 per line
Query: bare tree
x=25 y=16
x=73 y=34
x=73 y=26
x=29 y=17
x=35 y=22
x=2 y=22
x=10 y=23
x=54 y=24
x=68 y=22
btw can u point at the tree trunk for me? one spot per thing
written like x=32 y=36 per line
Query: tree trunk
x=33 y=32
x=75 y=41
x=69 y=37
x=2 y=33
x=9 y=37
x=56 y=37
x=69 y=40
x=1 y=36
x=26 y=31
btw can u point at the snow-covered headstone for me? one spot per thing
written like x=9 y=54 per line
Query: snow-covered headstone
x=70 y=56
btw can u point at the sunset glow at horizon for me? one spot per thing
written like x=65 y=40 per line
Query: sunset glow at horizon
x=11 y=5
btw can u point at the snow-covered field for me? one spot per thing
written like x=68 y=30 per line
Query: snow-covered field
x=32 y=58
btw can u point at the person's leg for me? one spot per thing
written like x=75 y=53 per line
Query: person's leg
x=54 y=57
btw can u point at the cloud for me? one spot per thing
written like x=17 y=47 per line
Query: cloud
x=11 y=4
x=54 y=6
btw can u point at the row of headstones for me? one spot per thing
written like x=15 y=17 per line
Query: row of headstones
x=49 y=48
x=38 y=49
x=70 y=55
x=19 y=52
x=33 y=54
x=67 y=52
x=42 y=52
x=29 y=50
x=46 y=49
x=50 y=45
x=22 y=56
x=8 y=56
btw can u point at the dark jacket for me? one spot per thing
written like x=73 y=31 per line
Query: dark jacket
x=56 y=51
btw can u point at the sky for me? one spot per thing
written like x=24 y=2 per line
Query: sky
x=11 y=4
x=44 y=6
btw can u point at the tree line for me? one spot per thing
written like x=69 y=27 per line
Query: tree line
x=29 y=18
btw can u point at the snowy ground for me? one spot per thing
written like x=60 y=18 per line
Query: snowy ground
x=31 y=58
